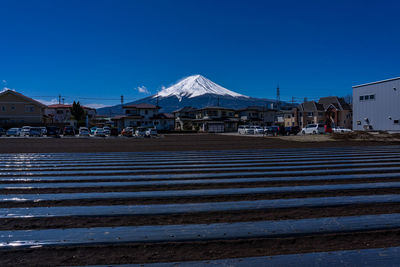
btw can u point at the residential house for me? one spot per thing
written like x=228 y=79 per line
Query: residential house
x=215 y=119
x=164 y=121
x=184 y=118
x=257 y=115
x=289 y=118
x=138 y=115
x=17 y=110
x=337 y=111
x=311 y=112
x=61 y=114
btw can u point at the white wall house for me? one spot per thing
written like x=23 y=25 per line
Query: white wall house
x=376 y=106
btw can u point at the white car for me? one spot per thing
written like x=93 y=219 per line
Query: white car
x=313 y=129
x=151 y=132
x=83 y=131
x=140 y=131
x=245 y=129
x=44 y=130
x=257 y=129
x=25 y=130
x=107 y=130
x=340 y=129
x=13 y=132
x=100 y=132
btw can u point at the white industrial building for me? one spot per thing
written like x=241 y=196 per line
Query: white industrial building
x=376 y=106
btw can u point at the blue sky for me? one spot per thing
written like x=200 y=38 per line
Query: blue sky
x=95 y=51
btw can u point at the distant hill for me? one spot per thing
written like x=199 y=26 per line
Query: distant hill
x=195 y=91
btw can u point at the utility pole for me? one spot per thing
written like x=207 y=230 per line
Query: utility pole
x=292 y=101
x=278 y=97
x=122 y=100
x=63 y=100
x=59 y=99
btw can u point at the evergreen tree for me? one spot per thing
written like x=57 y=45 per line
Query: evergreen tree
x=77 y=112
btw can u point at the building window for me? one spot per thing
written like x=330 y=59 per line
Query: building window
x=29 y=108
x=367 y=97
x=12 y=107
x=146 y=112
x=60 y=112
x=396 y=121
x=3 y=108
x=358 y=122
x=310 y=113
x=320 y=114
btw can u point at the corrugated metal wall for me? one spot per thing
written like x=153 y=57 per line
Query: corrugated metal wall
x=383 y=111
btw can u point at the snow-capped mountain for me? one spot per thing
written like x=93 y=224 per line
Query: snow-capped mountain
x=194 y=91
x=194 y=86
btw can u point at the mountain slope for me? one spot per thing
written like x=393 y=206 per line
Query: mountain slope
x=194 y=86
x=195 y=91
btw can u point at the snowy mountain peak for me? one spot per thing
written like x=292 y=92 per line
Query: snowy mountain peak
x=193 y=86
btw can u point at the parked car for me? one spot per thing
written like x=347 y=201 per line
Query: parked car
x=2 y=131
x=69 y=130
x=25 y=130
x=257 y=129
x=271 y=130
x=292 y=130
x=35 y=132
x=313 y=129
x=107 y=130
x=13 y=132
x=151 y=132
x=83 y=131
x=53 y=131
x=100 y=132
x=340 y=129
x=44 y=130
x=140 y=131
x=245 y=129
x=114 y=132
x=93 y=130
x=128 y=132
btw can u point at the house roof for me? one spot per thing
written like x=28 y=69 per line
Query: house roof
x=256 y=108
x=23 y=96
x=127 y=117
x=67 y=106
x=142 y=106
x=165 y=116
x=337 y=102
x=185 y=109
x=215 y=107
x=311 y=105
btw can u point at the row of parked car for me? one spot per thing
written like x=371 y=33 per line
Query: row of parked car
x=268 y=130
x=279 y=130
x=82 y=131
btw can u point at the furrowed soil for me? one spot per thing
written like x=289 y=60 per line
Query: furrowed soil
x=194 y=250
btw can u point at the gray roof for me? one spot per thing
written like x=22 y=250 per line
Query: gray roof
x=337 y=102
x=311 y=106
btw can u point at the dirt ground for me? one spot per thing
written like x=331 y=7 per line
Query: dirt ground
x=172 y=142
x=194 y=250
